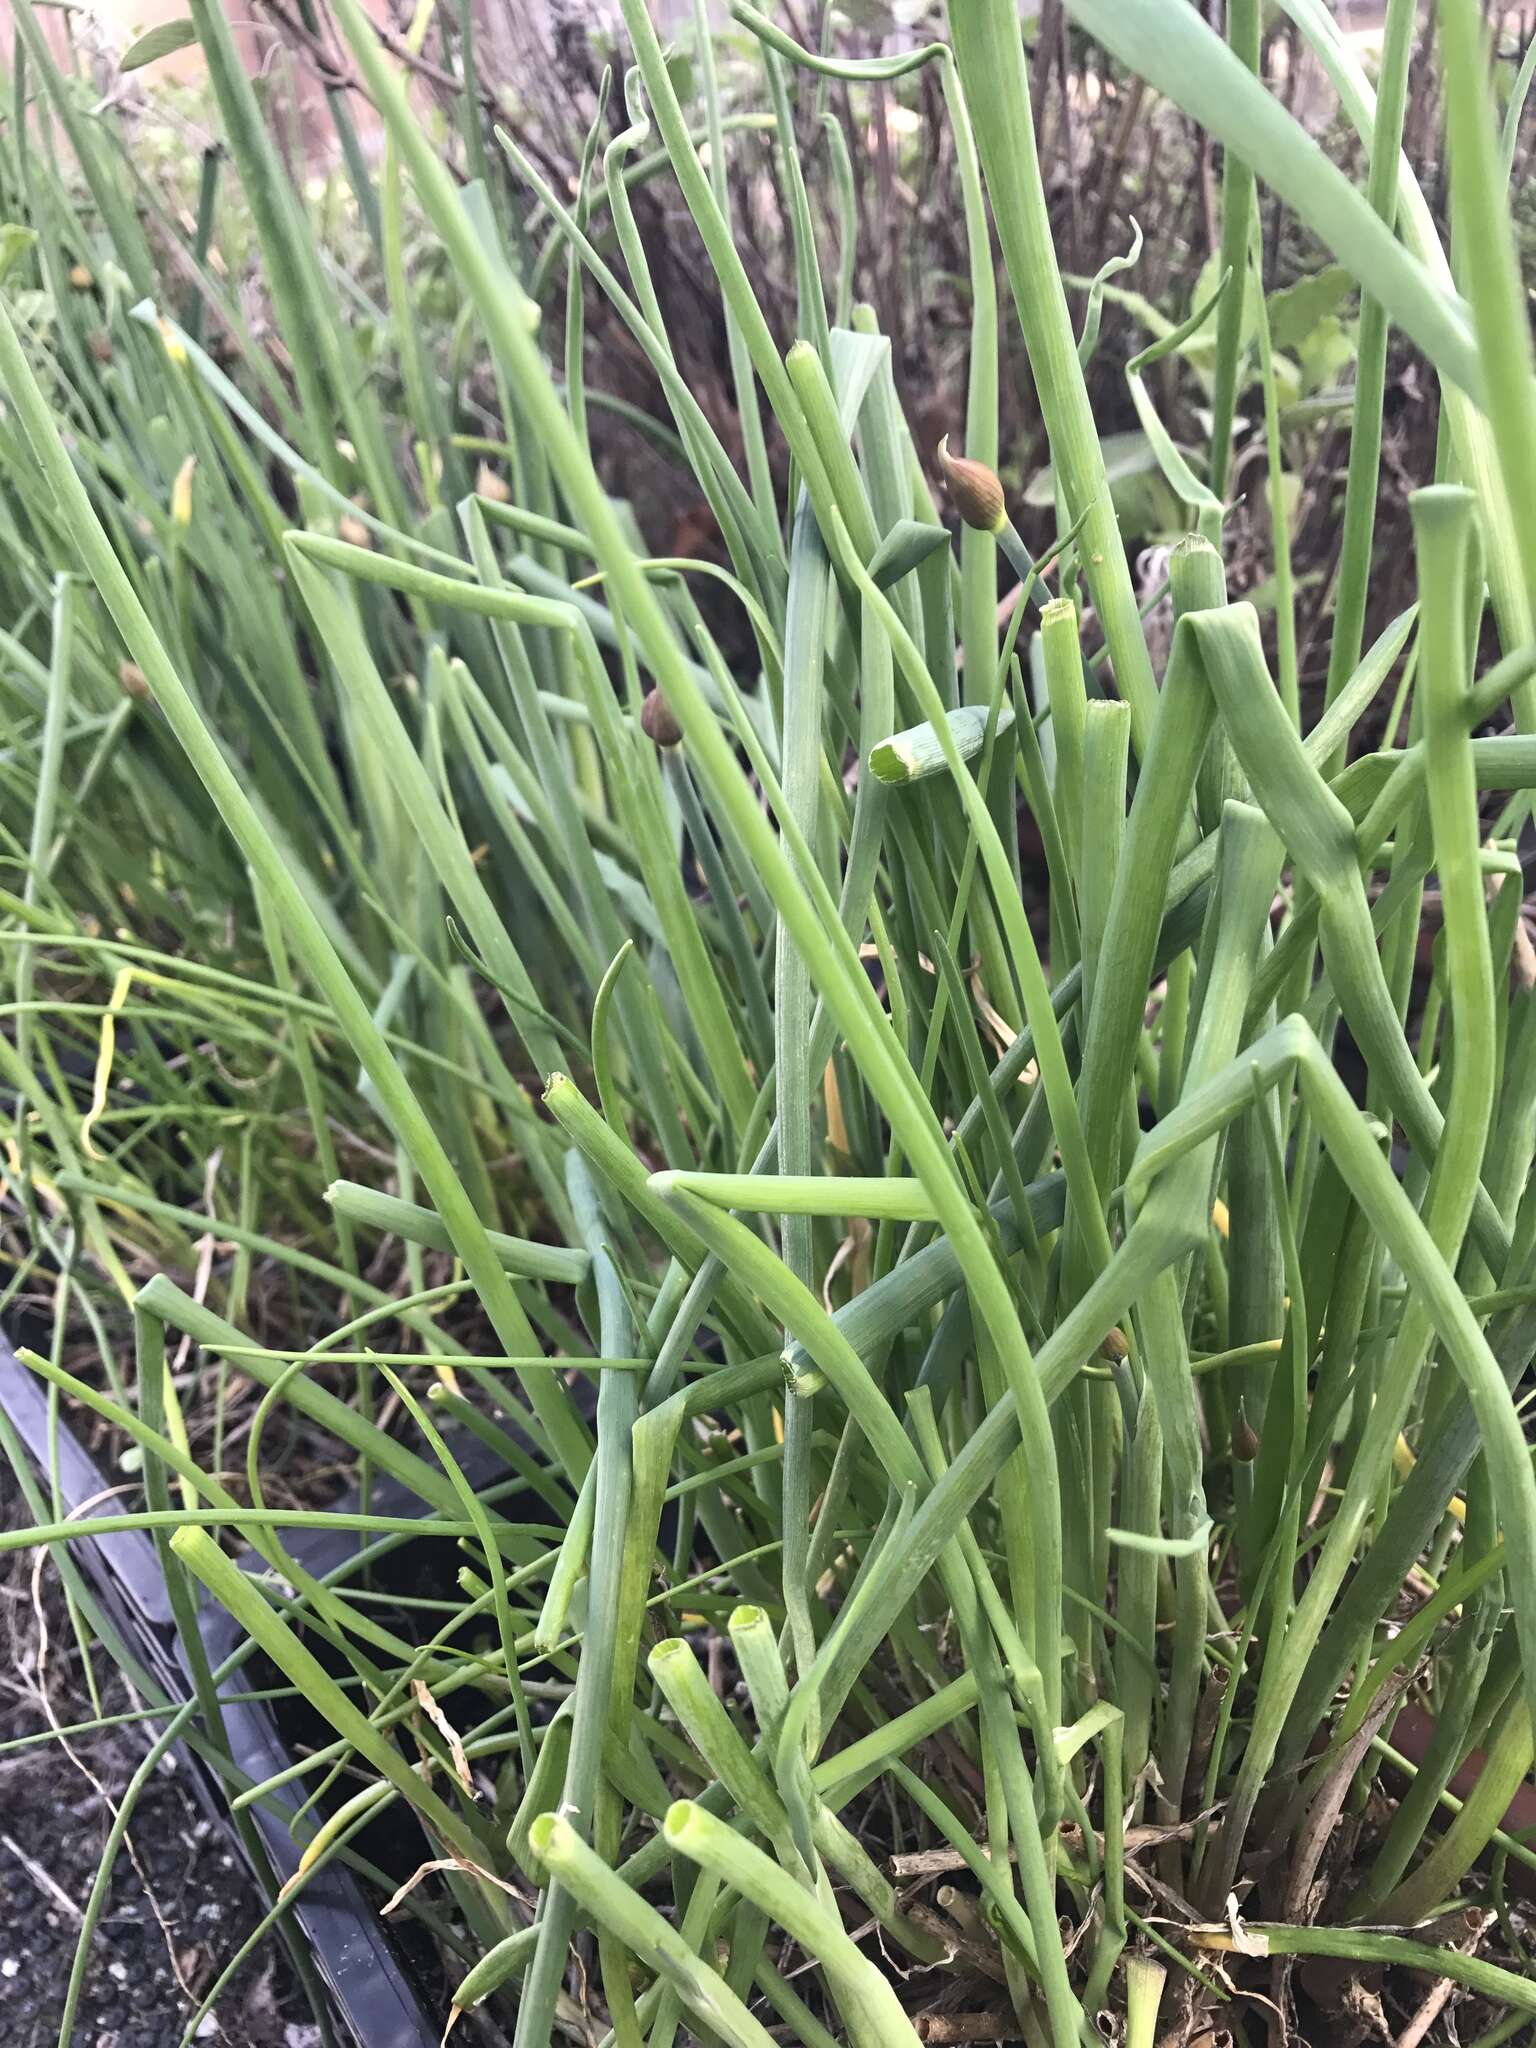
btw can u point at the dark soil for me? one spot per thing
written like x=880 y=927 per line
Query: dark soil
x=195 y=1884
x=183 y=1892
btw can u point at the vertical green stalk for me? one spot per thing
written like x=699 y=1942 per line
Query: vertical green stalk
x=1360 y=489
x=1062 y=657
x=1244 y=39
x=604 y=1679
x=989 y=51
x=1171 y=757
x=759 y=475
x=1104 y=767
x=978 y=554
x=1487 y=265
x=50 y=760
x=811 y=304
x=1279 y=511
x=795 y=1091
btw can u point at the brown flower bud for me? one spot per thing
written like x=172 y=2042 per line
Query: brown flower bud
x=489 y=485
x=1245 y=1438
x=658 y=721
x=1114 y=1347
x=100 y=345
x=81 y=278
x=133 y=679
x=974 y=490
x=354 y=532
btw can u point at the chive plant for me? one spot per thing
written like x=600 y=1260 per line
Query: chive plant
x=996 y=1431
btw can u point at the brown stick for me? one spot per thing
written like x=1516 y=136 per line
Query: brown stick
x=1442 y=1993
x=923 y=1863
x=967 y=2026
x=1313 y=1837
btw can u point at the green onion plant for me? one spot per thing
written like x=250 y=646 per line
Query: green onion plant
x=1001 y=1422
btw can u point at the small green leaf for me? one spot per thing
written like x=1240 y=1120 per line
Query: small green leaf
x=1325 y=354
x=1126 y=454
x=162 y=41
x=906 y=547
x=1144 y=505
x=15 y=240
x=1296 y=309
